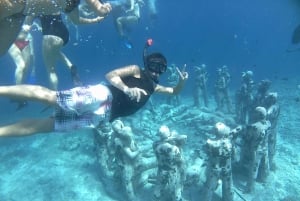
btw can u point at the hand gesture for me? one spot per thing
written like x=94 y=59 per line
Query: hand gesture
x=105 y=9
x=182 y=73
x=135 y=93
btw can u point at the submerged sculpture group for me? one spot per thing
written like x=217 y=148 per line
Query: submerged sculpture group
x=221 y=149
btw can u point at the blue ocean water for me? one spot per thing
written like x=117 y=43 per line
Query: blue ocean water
x=242 y=34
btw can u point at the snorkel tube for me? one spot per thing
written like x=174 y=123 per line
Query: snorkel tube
x=148 y=43
x=155 y=63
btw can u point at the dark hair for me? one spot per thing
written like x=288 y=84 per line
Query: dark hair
x=157 y=58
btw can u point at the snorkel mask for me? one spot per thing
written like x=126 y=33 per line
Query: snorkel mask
x=154 y=63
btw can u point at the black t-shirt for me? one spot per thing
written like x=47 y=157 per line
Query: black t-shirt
x=122 y=105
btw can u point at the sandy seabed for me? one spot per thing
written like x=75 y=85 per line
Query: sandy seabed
x=62 y=166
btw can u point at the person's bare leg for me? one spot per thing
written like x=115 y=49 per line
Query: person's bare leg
x=129 y=20
x=152 y=8
x=65 y=60
x=17 y=56
x=28 y=58
x=28 y=127
x=29 y=92
x=73 y=69
x=123 y=22
x=119 y=23
x=52 y=53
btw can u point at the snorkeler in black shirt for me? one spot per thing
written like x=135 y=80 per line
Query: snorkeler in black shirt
x=83 y=107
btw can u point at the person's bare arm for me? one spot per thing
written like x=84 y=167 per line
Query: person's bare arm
x=131 y=7
x=77 y=19
x=114 y=78
x=99 y=8
x=174 y=90
x=28 y=20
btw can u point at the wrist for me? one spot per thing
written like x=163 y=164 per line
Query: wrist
x=125 y=89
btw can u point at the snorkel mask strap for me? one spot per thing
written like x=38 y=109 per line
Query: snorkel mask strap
x=148 y=43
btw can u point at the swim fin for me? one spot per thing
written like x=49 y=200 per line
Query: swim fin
x=127 y=43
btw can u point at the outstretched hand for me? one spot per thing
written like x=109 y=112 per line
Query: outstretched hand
x=182 y=73
x=135 y=93
x=105 y=8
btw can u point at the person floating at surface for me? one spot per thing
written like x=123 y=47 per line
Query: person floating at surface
x=55 y=37
x=81 y=107
x=126 y=13
x=21 y=51
x=13 y=12
x=152 y=9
